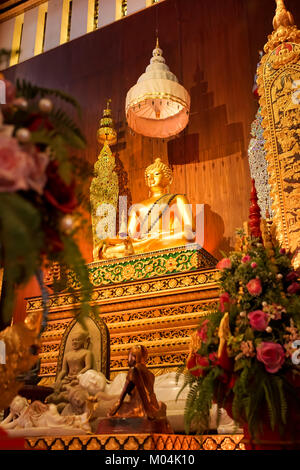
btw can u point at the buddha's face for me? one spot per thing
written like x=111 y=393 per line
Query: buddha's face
x=78 y=341
x=155 y=178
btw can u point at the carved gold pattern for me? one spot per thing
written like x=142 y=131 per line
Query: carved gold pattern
x=101 y=295
x=279 y=90
x=138 y=442
x=21 y=346
x=147 y=266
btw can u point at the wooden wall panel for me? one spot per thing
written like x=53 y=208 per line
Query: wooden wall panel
x=212 y=47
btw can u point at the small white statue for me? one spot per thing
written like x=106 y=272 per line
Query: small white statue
x=38 y=418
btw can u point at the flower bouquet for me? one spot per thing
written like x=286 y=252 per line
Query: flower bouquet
x=245 y=355
x=39 y=194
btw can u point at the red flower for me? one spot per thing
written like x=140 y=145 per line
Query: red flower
x=197 y=362
x=213 y=357
x=291 y=276
x=258 y=320
x=254 y=287
x=225 y=263
x=272 y=355
x=57 y=192
x=224 y=301
x=246 y=258
x=293 y=288
x=37 y=122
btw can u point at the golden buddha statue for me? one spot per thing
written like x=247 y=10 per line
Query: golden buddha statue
x=162 y=221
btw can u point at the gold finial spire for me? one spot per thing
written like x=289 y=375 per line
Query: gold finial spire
x=282 y=16
x=157 y=43
x=106 y=132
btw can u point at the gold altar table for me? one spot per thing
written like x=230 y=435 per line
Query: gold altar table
x=155 y=299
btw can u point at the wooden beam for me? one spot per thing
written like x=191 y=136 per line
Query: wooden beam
x=14 y=11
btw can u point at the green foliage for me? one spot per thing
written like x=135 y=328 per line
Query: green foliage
x=31 y=92
x=32 y=229
x=21 y=240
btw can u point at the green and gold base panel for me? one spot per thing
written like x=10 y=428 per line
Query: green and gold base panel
x=138 y=442
x=155 y=299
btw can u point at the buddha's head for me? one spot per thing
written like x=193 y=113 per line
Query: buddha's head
x=18 y=405
x=79 y=340
x=158 y=174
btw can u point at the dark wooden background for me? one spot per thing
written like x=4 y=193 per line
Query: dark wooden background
x=212 y=47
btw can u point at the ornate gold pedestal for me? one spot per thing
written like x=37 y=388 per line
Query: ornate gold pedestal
x=138 y=442
x=155 y=299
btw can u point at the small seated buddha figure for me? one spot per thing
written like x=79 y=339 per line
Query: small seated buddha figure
x=76 y=361
x=162 y=221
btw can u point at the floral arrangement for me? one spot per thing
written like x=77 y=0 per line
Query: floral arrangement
x=244 y=355
x=39 y=190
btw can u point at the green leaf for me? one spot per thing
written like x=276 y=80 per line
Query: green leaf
x=30 y=91
x=21 y=242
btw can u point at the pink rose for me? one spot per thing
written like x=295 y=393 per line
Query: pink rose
x=293 y=288
x=224 y=301
x=253 y=265
x=13 y=165
x=272 y=356
x=246 y=258
x=225 y=263
x=37 y=163
x=258 y=320
x=254 y=287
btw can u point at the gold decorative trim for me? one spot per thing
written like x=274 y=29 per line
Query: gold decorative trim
x=155 y=95
x=119 y=293
x=114 y=442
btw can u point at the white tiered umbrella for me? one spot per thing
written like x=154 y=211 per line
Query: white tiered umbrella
x=157 y=106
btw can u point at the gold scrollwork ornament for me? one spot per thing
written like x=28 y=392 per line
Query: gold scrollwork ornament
x=279 y=90
x=22 y=346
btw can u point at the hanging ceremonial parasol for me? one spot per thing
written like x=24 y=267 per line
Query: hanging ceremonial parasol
x=157 y=106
